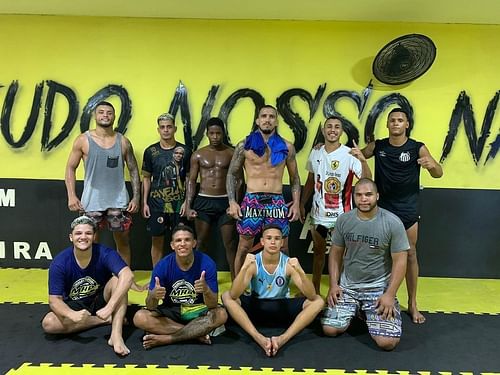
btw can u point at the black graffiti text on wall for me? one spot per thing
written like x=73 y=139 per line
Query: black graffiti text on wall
x=462 y=113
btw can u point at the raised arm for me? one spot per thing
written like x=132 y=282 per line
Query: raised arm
x=191 y=185
x=133 y=170
x=368 y=150
x=358 y=154
x=74 y=158
x=291 y=165
x=428 y=162
x=232 y=183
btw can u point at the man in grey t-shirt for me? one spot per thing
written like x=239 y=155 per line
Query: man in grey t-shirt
x=369 y=246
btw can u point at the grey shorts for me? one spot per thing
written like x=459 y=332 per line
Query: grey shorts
x=361 y=301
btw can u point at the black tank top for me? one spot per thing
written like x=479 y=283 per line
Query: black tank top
x=397 y=175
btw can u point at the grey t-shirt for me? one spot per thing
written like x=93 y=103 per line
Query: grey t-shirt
x=368 y=246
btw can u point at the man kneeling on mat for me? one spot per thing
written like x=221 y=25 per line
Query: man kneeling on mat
x=268 y=273
x=367 y=263
x=186 y=281
x=88 y=285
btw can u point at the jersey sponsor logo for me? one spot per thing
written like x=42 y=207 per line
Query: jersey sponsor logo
x=332 y=189
x=183 y=292
x=280 y=281
x=84 y=287
x=334 y=164
x=331 y=214
x=404 y=157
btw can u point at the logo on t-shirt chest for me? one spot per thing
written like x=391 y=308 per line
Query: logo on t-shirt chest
x=82 y=288
x=183 y=292
x=405 y=157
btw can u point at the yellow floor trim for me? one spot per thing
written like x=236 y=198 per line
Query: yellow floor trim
x=28 y=369
x=450 y=295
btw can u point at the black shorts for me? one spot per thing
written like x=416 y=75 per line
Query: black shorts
x=212 y=209
x=159 y=222
x=92 y=305
x=272 y=312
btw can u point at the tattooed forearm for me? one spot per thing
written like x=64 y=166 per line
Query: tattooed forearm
x=234 y=172
x=133 y=169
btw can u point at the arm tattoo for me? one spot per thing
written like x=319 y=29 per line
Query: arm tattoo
x=234 y=172
x=133 y=171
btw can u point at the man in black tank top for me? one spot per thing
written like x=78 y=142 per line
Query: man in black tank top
x=397 y=174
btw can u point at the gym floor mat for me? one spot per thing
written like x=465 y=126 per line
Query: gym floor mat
x=446 y=343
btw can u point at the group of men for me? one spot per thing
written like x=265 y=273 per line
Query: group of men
x=368 y=259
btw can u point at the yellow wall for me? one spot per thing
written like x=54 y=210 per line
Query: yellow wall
x=149 y=57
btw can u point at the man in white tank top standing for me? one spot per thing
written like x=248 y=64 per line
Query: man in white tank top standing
x=105 y=198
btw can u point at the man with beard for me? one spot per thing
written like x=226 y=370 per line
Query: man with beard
x=209 y=207
x=335 y=167
x=367 y=264
x=105 y=198
x=264 y=155
x=397 y=173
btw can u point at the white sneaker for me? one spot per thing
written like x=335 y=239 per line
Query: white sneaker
x=218 y=331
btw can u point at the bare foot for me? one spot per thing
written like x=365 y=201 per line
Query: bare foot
x=119 y=346
x=150 y=341
x=205 y=340
x=265 y=343
x=416 y=316
x=276 y=343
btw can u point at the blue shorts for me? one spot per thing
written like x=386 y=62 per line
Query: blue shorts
x=260 y=209
x=355 y=301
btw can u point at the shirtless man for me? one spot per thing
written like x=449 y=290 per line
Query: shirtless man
x=263 y=155
x=105 y=197
x=397 y=174
x=269 y=273
x=209 y=207
x=88 y=286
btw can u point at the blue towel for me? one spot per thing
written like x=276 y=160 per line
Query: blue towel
x=279 y=150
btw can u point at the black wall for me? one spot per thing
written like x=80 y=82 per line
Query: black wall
x=459 y=232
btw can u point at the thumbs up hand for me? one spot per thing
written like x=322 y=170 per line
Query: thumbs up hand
x=200 y=285
x=158 y=291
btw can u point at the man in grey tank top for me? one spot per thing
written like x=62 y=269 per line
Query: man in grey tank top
x=367 y=264
x=105 y=198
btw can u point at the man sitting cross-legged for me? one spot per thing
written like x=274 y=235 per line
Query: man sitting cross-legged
x=268 y=273
x=88 y=286
x=186 y=281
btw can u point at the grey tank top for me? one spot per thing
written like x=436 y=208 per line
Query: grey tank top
x=104 y=184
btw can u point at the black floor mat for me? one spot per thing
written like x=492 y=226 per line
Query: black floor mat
x=446 y=342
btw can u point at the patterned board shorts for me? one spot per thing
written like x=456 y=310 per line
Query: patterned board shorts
x=260 y=209
x=362 y=301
